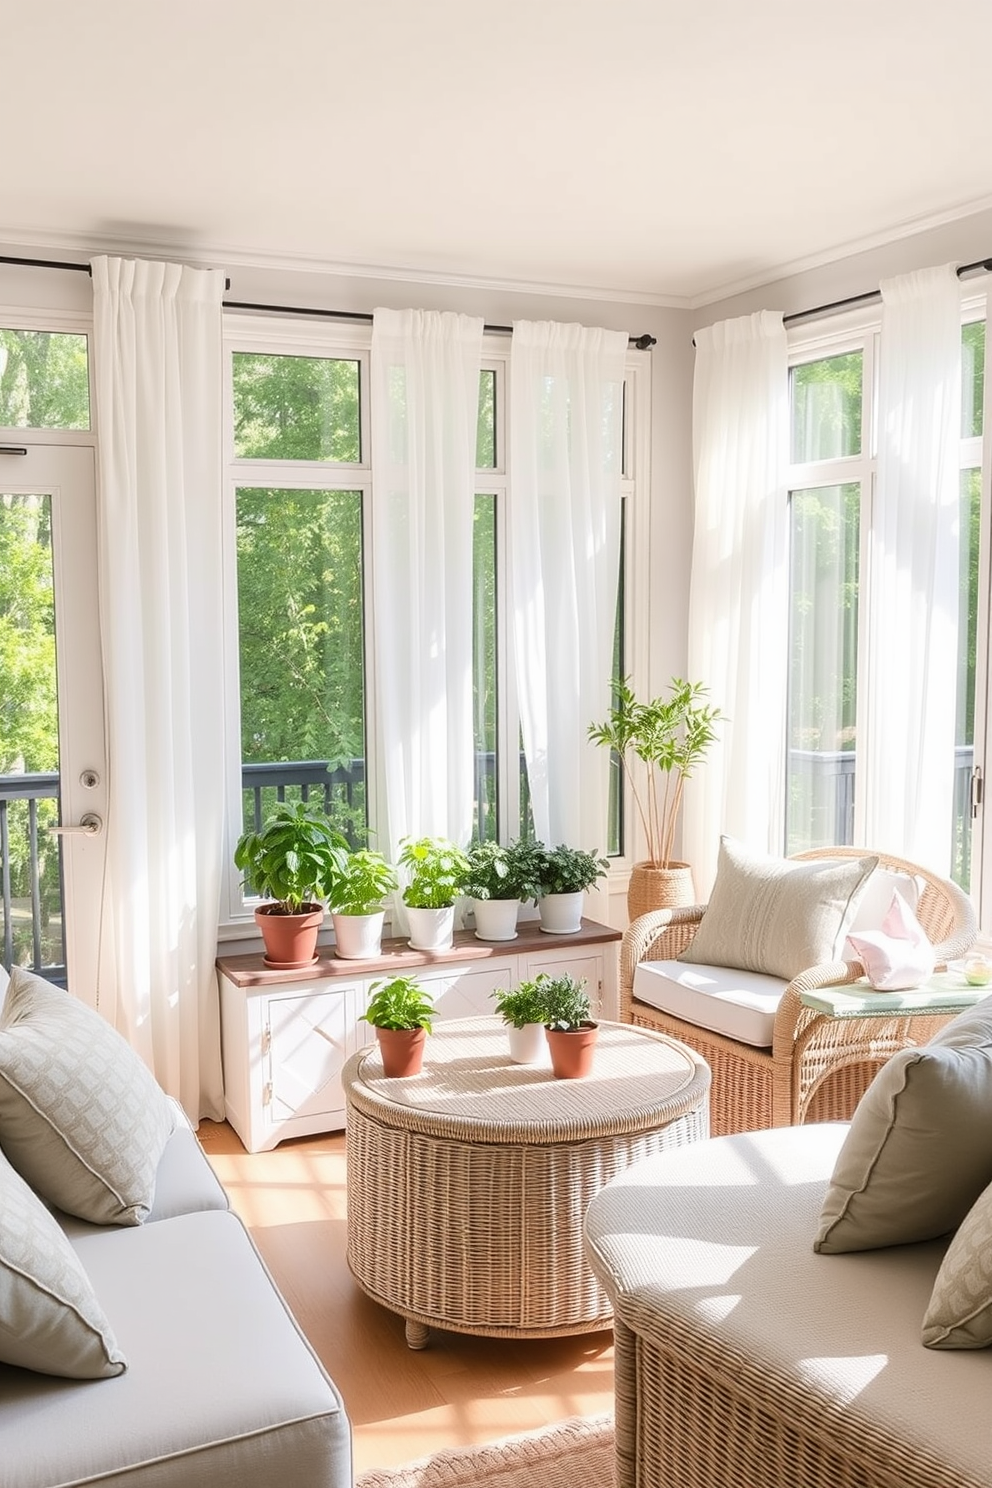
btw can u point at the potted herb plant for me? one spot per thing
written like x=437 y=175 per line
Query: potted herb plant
x=290 y=862
x=359 y=884
x=565 y=873
x=670 y=737
x=497 y=880
x=523 y=1009
x=436 y=869
x=402 y=1015
x=570 y=1032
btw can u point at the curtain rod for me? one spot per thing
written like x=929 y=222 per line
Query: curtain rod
x=873 y=294
x=642 y=342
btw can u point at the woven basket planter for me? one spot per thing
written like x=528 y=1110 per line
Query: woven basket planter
x=659 y=888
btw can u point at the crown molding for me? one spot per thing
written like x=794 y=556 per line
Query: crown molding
x=83 y=247
x=913 y=227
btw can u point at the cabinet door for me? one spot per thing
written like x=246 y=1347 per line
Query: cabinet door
x=584 y=965
x=309 y=1037
x=465 y=993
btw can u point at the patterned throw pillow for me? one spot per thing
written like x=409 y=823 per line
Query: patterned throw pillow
x=775 y=916
x=81 y=1117
x=50 y=1319
x=960 y=1312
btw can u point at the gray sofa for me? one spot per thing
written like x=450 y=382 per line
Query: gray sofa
x=743 y=1356
x=220 y=1387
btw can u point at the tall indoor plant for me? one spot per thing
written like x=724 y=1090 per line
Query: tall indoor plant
x=670 y=736
x=290 y=862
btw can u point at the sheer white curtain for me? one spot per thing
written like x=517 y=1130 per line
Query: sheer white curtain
x=157 y=359
x=566 y=434
x=910 y=686
x=425 y=407
x=738 y=598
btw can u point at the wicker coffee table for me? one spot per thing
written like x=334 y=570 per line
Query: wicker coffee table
x=468 y=1183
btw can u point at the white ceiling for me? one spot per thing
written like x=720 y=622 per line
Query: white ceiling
x=660 y=150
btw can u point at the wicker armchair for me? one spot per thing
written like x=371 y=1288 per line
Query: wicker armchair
x=818 y=1067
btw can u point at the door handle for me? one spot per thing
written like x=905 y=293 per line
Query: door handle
x=89 y=825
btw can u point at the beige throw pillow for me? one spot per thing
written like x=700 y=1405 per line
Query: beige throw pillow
x=775 y=916
x=81 y=1117
x=50 y=1319
x=960 y=1312
x=919 y=1149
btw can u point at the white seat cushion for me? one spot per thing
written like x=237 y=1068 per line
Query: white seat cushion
x=739 y=1004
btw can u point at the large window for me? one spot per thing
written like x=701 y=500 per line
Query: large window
x=303 y=487
x=832 y=391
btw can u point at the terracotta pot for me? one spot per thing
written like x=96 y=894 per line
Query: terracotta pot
x=431 y=929
x=658 y=888
x=290 y=940
x=402 y=1051
x=358 y=937
x=572 y=1050
x=527 y=1044
x=561 y=914
x=496 y=919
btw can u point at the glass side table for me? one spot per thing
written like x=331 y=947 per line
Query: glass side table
x=944 y=992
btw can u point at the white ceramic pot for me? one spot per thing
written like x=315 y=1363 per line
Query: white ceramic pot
x=496 y=919
x=561 y=914
x=528 y=1044
x=431 y=929
x=358 y=937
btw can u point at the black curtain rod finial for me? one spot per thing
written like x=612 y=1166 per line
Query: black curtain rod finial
x=643 y=342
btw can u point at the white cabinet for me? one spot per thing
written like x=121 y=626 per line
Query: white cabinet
x=286 y=1036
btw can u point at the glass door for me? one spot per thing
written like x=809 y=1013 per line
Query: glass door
x=52 y=766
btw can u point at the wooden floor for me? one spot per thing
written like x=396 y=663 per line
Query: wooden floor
x=403 y=1404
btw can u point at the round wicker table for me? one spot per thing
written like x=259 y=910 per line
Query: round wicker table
x=468 y=1183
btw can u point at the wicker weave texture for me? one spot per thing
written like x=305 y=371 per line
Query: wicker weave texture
x=450 y=1227
x=658 y=888
x=685 y=1415
x=818 y=1067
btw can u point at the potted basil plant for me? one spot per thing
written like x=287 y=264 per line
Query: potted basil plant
x=358 y=887
x=290 y=863
x=402 y=1015
x=436 y=869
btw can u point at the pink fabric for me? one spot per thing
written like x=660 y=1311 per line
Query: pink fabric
x=897 y=956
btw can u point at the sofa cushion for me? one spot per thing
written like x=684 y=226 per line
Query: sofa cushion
x=81 y=1117
x=776 y=916
x=737 y=1004
x=223 y=1390
x=919 y=1150
x=959 y=1315
x=50 y=1319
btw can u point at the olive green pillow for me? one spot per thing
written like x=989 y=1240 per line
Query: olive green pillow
x=919 y=1149
x=776 y=916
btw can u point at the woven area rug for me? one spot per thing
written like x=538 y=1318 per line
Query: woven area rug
x=571 y=1454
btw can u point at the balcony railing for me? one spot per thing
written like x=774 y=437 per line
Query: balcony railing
x=31 y=861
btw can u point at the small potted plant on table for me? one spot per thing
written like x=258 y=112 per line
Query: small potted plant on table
x=523 y=1010
x=436 y=869
x=570 y=1032
x=565 y=874
x=290 y=862
x=359 y=884
x=402 y=1015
